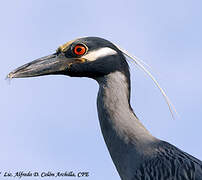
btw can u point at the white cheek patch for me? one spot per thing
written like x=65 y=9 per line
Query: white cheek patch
x=98 y=53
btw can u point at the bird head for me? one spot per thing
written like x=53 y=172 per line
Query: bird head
x=84 y=57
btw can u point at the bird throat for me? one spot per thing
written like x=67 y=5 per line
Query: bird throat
x=122 y=131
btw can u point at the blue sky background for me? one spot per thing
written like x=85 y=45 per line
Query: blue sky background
x=50 y=123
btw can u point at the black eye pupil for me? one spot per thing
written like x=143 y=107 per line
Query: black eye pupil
x=78 y=49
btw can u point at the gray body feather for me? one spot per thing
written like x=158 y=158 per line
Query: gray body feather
x=136 y=154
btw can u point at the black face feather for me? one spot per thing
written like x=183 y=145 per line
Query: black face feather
x=99 y=67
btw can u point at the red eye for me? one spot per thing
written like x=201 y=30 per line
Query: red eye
x=79 y=49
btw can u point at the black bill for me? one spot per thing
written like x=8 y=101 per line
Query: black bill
x=51 y=64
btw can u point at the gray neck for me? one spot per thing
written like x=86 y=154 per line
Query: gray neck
x=123 y=133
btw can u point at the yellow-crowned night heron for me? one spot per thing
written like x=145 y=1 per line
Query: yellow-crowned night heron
x=134 y=151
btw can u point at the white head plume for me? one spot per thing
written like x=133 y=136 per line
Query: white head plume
x=140 y=64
